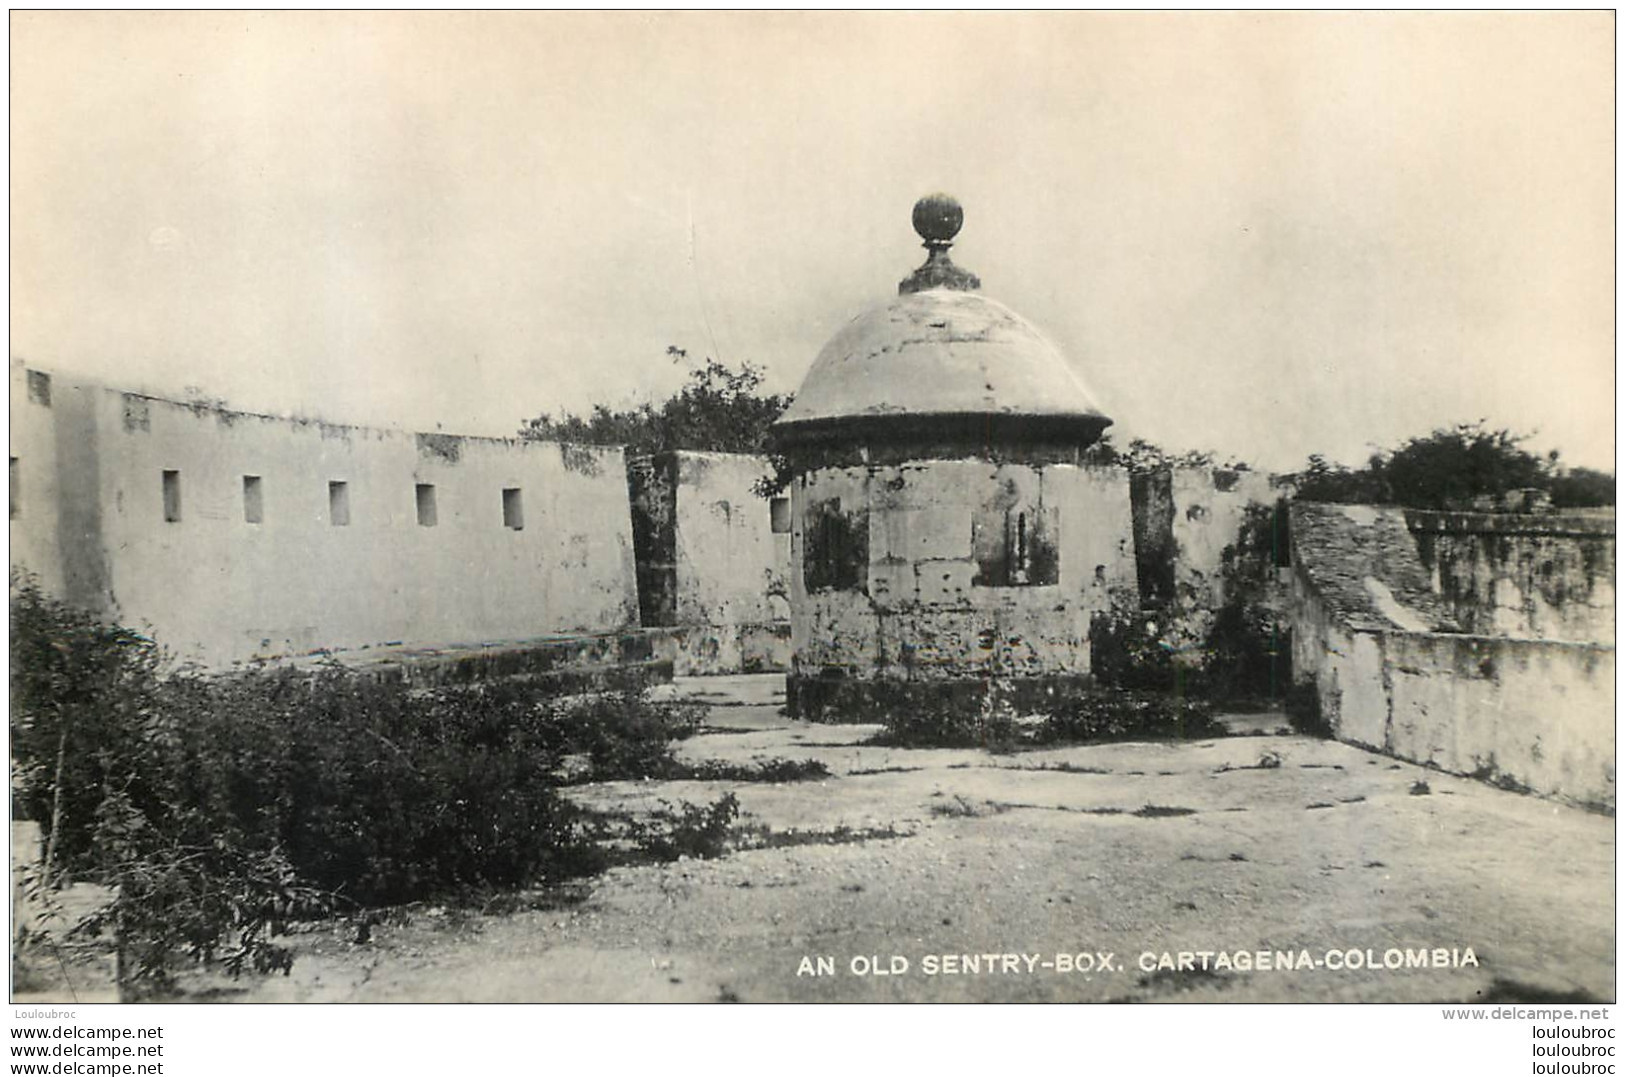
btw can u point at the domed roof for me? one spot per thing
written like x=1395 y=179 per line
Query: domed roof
x=943 y=360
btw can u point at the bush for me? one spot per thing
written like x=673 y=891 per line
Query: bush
x=82 y=694
x=371 y=790
x=1246 y=656
x=180 y=892
x=1102 y=714
x=97 y=759
x=1467 y=466
x=946 y=721
x=695 y=831
x=765 y=770
x=222 y=808
x=623 y=733
x=1127 y=651
x=1114 y=715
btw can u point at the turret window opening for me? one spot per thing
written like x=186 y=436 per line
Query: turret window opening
x=1016 y=546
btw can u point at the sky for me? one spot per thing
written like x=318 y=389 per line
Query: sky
x=1258 y=233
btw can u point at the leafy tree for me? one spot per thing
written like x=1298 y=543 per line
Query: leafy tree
x=1582 y=487
x=1325 y=480
x=719 y=409
x=1458 y=467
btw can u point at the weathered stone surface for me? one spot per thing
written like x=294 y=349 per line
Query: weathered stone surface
x=940 y=352
x=1337 y=548
x=1534 y=714
x=709 y=562
x=939 y=271
x=1547 y=576
x=928 y=607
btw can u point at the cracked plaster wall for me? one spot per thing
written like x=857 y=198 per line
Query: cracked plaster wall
x=1536 y=714
x=1545 y=576
x=916 y=613
x=731 y=570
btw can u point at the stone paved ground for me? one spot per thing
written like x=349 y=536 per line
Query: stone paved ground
x=1135 y=848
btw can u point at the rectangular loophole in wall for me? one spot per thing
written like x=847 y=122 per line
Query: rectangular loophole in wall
x=513 y=509
x=172 y=496
x=253 y=500
x=137 y=413
x=778 y=511
x=837 y=548
x=1016 y=546
x=428 y=514
x=338 y=504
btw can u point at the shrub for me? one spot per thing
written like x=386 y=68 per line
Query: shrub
x=1245 y=654
x=1127 y=650
x=1101 y=714
x=1113 y=715
x=623 y=733
x=180 y=892
x=1465 y=466
x=82 y=693
x=766 y=770
x=97 y=749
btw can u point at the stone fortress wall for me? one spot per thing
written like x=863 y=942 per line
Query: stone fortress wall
x=1187 y=522
x=232 y=536
x=1438 y=661
x=295 y=536
x=1530 y=576
x=713 y=560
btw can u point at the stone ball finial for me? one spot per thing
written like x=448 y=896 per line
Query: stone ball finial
x=938 y=218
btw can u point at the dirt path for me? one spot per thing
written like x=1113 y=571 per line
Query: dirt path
x=1248 y=843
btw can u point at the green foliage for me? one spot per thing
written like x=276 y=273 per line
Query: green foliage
x=1116 y=714
x=720 y=409
x=623 y=733
x=381 y=793
x=81 y=691
x=1142 y=456
x=1324 y=480
x=1098 y=715
x=97 y=751
x=1242 y=653
x=1467 y=466
x=765 y=770
x=937 y=721
x=221 y=809
x=1127 y=650
x=1582 y=487
x=1246 y=654
x=182 y=892
x=1455 y=467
